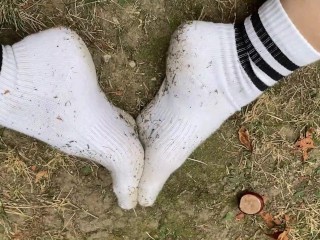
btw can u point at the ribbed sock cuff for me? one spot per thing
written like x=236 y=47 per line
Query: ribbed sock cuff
x=285 y=35
x=1 y=57
x=8 y=71
x=270 y=46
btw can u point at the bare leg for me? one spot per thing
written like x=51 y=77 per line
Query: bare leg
x=305 y=16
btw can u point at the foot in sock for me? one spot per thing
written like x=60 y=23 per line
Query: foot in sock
x=49 y=90
x=212 y=71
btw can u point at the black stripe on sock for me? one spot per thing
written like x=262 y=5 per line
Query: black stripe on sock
x=1 y=56
x=258 y=60
x=270 y=45
x=243 y=55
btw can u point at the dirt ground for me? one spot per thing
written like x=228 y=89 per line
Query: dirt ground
x=128 y=40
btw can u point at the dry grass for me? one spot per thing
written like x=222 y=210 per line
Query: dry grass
x=23 y=15
x=276 y=121
x=74 y=200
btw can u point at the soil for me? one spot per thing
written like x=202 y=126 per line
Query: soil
x=128 y=40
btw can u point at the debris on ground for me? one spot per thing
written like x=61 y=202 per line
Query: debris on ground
x=244 y=138
x=305 y=143
x=251 y=203
x=40 y=175
x=280 y=235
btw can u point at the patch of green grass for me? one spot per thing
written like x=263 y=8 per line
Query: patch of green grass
x=229 y=216
x=124 y=2
x=86 y=170
x=165 y=233
x=155 y=50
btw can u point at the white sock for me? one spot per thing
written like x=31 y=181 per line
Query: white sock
x=212 y=71
x=49 y=90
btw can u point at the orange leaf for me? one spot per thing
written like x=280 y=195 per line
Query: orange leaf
x=277 y=221
x=305 y=144
x=244 y=138
x=40 y=175
x=268 y=219
x=280 y=235
x=240 y=216
x=284 y=235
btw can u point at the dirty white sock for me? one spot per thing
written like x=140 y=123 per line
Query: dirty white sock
x=212 y=71
x=49 y=90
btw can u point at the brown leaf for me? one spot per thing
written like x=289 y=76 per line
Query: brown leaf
x=305 y=144
x=240 y=216
x=40 y=175
x=284 y=235
x=277 y=221
x=274 y=235
x=280 y=235
x=309 y=133
x=6 y=92
x=268 y=219
x=244 y=138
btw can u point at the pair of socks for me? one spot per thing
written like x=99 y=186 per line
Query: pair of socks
x=49 y=90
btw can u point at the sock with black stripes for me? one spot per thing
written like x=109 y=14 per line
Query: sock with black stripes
x=212 y=71
x=49 y=90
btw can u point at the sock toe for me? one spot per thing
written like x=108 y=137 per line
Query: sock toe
x=147 y=196
x=148 y=191
x=127 y=197
x=125 y=187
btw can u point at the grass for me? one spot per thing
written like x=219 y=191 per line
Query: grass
x=75 y=201
x=16 y=14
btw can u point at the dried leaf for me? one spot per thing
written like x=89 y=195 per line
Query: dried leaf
x=284 y=235
x=40 y=175
x=275 y=235
x=240 y=216
x=280 y=235
x=244 y=138
x=5 y=92
x=277 y=221
x=305 y=144
x=309 y=133
x=268 y=219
